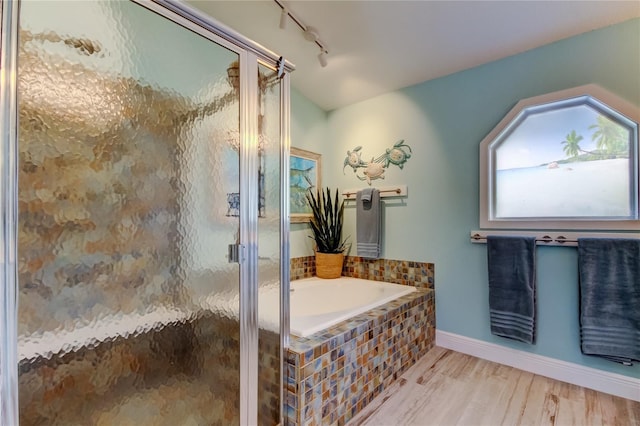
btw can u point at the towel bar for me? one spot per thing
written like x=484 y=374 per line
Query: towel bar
x=569 y=239
x=388 y=191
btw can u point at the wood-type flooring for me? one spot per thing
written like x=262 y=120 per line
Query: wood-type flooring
x=449 y=388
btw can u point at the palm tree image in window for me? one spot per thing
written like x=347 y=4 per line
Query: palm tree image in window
x=572 y=144
x=610 y=137
x=612 y=141
x=564 y=161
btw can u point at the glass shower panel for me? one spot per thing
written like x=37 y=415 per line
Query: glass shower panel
x=128 y=181
x=269 y=246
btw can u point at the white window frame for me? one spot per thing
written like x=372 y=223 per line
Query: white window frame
x=590 y=93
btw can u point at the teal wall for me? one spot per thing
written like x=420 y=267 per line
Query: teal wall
x=309 y=132
x=444 y=120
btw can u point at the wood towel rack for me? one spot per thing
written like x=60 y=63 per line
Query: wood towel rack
x=387 y=191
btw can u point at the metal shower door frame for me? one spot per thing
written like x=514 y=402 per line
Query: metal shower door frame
x=9 y=204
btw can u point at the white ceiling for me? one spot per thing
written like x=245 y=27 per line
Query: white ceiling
x=380 y=46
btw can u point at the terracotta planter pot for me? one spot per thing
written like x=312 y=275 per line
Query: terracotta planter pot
x=329 y=265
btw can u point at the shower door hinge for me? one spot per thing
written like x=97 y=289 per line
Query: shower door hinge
x=280 y=66
x=236 y=253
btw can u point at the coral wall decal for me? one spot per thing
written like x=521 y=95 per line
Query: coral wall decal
x=374 y=169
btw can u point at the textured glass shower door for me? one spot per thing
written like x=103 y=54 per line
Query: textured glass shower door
x=128 y=200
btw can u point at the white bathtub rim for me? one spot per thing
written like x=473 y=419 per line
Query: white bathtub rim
x=307 y=326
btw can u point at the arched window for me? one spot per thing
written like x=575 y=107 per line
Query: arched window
x=566 y=160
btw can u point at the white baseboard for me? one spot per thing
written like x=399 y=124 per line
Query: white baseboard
x=603 y=381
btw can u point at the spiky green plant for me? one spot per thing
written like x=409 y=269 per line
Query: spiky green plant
x=326 y=222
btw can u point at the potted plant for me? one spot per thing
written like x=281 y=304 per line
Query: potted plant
x=326 y=225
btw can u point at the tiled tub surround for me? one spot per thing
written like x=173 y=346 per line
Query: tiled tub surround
x=417 y=274
x=302 y=267
x=335 y=373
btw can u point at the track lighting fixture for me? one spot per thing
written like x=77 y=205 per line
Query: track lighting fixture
x=310 y=33
x=283 y=18
x=322 y=58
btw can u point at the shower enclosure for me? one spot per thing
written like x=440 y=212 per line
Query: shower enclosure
x=144 y=201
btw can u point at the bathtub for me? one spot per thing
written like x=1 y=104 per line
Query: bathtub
x=332 y=374
x=316 y=304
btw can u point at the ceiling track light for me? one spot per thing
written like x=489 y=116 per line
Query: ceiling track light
x=310 y=33
x=322 y=58
x=284 y=15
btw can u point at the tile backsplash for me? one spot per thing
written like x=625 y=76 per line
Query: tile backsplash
x=406 y=272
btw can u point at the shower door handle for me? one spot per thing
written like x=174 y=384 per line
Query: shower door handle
x=236 y=253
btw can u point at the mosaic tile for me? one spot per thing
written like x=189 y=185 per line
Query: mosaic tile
x=344 y=367
x=359 y=358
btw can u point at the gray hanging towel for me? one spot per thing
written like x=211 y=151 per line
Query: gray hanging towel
x=368 y=222
x=512 y=287
x=609 y=273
